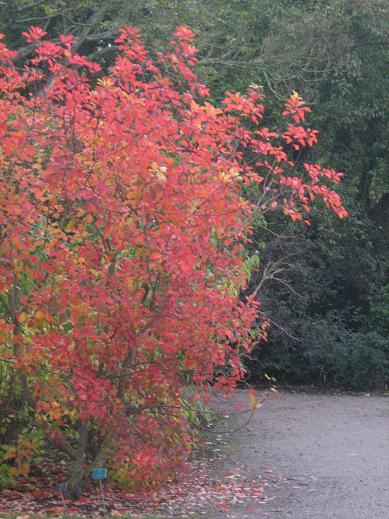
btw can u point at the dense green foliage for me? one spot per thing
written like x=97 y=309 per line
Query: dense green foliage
x=328 y=300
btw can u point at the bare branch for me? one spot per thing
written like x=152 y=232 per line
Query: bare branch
x=94 y=19
x=30 y=6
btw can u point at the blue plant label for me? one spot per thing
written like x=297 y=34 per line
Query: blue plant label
x=99 y=473
x=61 y=487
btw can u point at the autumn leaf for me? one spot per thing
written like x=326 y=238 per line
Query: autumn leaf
x=122 y=266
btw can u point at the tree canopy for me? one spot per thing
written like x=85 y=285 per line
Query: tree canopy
x=165 y=208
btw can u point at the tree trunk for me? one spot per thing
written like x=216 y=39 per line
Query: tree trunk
x=77 y=479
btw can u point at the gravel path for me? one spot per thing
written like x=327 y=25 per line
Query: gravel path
x=321 y=456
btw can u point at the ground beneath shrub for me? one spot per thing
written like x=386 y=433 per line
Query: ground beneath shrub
x=301 y=456
x=328 y=455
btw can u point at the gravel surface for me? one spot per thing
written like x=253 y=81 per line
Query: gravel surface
x=321 y=456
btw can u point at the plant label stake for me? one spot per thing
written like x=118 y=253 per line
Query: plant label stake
x=99 y=475
x=62 y=488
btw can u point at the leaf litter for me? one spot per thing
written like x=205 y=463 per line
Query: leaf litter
x=197 y=491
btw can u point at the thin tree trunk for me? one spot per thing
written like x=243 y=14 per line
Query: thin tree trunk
x=13 y=308
x=76 y=479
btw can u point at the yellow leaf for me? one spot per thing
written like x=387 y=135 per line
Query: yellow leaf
x=253 y=401
x=22 y=317
x=234 y=173
x=10 y=453
x=23 y=469
x=140 y=252
x=129 y=283
x=39 y=316
x=106 y=82
x=161 y=176
x=56 y=414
